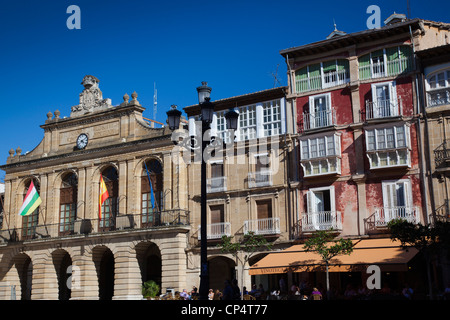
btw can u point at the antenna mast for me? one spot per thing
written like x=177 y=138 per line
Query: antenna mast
x=155 y=102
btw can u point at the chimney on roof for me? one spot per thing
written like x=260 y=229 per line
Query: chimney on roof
x=395 y=18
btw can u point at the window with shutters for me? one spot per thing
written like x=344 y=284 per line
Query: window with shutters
x=68 y=203
x=111 y=205
x=322 y=75
x=321 y=155
x=217 y=182
x=397 y=203
x=385 y=102
x=321 y=114
x=264 y=209
x=385 y=62
x=151 y=193
x=388 y=147
x=30 y=221
x=321 y=210
x=262 y=174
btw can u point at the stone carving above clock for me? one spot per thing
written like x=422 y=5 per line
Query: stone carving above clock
x=91 y=98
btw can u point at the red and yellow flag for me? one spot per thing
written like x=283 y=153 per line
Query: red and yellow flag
x=103 y=196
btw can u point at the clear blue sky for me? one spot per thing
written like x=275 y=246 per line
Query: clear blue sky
x=130 y=44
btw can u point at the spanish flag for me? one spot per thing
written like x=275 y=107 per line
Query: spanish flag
x=103 y=196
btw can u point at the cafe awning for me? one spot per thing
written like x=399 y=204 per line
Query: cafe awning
x=387 y=254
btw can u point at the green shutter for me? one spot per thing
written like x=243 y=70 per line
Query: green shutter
x=329 y=66
x=406 y=58
x=364 y=67
x=315 y=79
x=393 y=63
x=301 y=80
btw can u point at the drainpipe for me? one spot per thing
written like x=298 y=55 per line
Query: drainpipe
x=419 y=136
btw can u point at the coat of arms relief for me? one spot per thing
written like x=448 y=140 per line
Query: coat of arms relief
x=91 y=98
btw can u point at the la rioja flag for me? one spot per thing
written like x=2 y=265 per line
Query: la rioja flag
x=31 y=202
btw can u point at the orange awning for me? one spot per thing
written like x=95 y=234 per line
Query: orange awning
x=385 y=253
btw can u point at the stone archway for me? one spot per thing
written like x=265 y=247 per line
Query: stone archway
x=220 y=269
x=62 y=261
x=21 y=274
x=104 y=264
x=150 y=262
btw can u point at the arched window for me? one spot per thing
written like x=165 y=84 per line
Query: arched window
x=68 y=203
x=110 y=206
x=151 y=203
x=438 y=88
x=30 y=221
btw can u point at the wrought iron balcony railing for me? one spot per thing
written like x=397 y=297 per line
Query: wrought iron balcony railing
x=130 y=222
x=442 y=154
x=321 y=220
x=386 y=214
x=267 y=226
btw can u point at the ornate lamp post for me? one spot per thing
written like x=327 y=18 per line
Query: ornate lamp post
x=207 y=111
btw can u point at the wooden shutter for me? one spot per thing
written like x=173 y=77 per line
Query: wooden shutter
x=216 y=170
x=217 y=214
x=364 y=67
x=264 y=209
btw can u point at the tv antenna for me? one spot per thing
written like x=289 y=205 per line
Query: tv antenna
x=275 y=77
x=155 y=101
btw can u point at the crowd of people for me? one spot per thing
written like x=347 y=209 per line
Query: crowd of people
x=304 y=291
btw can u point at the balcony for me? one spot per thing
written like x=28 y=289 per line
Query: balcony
x=386 y=214
x=384 y=109
x=267 y=226
x=128 y=222
x=381 y=69
x=438 y=97
x=320 y=119
x=216 y=184
x=329 y=79
x=215 y=231
x=321 y=220
x=261 y=178
x=442 y=155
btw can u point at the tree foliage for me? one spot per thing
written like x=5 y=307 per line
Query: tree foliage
x=323 y=244
x=428 y=237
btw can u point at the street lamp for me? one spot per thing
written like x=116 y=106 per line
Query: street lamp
x=207 y=110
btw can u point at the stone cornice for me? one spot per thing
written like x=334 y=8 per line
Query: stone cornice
x=87 y=154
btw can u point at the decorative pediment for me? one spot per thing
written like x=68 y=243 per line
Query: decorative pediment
x=91 y=98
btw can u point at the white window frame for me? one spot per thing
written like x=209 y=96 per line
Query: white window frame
x=249 y=130
x=378 y=74
x=385 y=151
x=317 y=160
x=271 y=109
x=393 y=100
x=310 y=197
x=446 y=88
x=394 y=183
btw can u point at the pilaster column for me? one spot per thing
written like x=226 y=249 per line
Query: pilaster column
x=127 y=275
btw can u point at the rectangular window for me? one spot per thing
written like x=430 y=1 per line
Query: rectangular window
x=322 y=75
x=388 y=146
x=384 y=101
x=272 y=118
x=320 y=155
x=247 y=122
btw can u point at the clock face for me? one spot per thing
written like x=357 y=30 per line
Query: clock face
x=82 y=141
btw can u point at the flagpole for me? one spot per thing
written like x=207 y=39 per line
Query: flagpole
x=151 y=187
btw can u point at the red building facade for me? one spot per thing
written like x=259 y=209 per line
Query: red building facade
x=354 y=100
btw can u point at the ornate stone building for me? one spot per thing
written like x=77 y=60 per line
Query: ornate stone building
x=64 y=240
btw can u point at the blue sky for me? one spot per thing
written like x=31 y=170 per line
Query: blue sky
x=129 y=45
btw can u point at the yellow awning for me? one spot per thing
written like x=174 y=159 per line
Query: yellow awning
x=385 y=253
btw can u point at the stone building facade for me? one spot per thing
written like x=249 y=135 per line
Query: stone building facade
x=248 y=182
x=64 y=239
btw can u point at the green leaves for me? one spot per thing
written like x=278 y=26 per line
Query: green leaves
x=323 y=244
